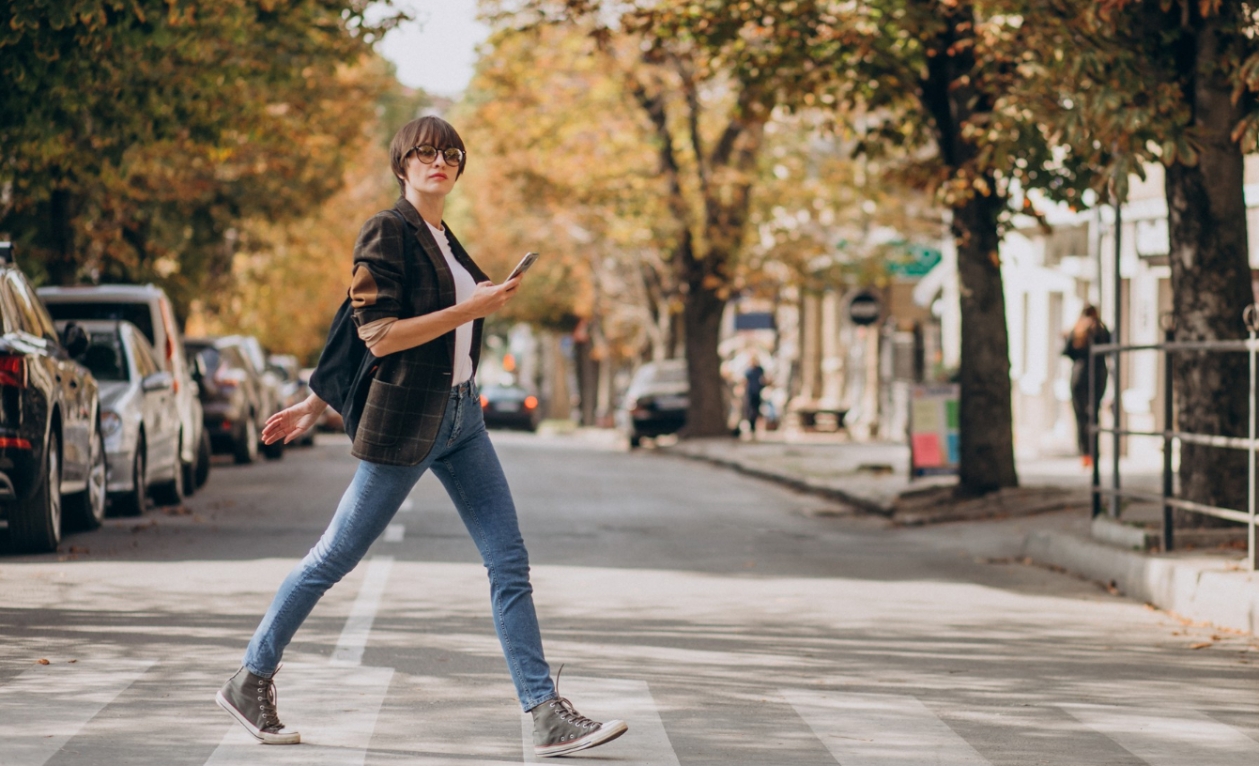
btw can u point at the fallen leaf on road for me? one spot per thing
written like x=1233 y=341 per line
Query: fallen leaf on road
x=1202 y=645
x=43 y=661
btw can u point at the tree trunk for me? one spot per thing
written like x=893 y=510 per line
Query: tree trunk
x=987 y=422
x=1211 y=279
x=59 y=255
x=702 y=318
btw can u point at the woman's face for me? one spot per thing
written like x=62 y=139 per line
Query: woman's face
x=435 y=178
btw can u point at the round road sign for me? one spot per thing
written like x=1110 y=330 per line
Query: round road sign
x=864 y=308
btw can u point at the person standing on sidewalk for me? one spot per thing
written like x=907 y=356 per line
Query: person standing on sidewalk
x=422 y=321
x=753 y=387
x=1087 y=332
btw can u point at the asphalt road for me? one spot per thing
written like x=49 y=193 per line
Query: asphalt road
x=728 y=620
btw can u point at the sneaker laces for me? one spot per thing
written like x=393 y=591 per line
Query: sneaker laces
x=267 y=704
x=568 y=713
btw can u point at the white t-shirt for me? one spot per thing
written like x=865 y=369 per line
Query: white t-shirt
x=464 y=285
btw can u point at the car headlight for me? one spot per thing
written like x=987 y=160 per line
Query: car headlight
x=110 y=423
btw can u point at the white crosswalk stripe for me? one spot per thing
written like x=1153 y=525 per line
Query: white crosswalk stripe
x=1169 y=737
x=45 y=706
x=645 y=744
x=881 y=730
x=358 y=626
x=407 y=506
x=335 y=709
x=395 y=532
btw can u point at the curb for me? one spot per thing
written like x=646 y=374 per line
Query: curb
x=800 y=485
x=1203 y=591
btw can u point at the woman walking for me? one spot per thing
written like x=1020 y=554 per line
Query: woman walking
x=422 y=321
x=1088 y=330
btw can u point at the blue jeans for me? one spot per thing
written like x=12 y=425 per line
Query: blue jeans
x=464 y=460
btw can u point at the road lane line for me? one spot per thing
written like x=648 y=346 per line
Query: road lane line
x=335 y=709
x=1169 y=737
x=358 y=626
x=601 y=699
x=394 y=533
x=881 y=730
x=41 y=709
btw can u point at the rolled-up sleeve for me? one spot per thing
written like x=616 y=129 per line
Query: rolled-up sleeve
x=377 y=282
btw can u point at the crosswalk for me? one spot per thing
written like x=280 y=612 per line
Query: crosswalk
x=44 y=708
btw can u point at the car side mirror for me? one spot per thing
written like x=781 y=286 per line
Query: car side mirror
x=74 y=340
x=158 y=381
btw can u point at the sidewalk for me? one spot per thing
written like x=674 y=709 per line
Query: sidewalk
x=1207 y=584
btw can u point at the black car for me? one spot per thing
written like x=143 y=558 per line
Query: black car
x=656 y=401
x=509 y=407
x=231 y=398
x=52 y=454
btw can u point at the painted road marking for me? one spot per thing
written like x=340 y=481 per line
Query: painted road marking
x=334 y=708
x=881 y=730
x=358 y=626
x=45 y=706
x=394 y=533
x=1169 y=737
x=645 y=744
x=407 y=506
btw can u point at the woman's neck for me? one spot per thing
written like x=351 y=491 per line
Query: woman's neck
x=431 y=207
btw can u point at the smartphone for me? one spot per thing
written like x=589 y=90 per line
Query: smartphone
x=523 y=266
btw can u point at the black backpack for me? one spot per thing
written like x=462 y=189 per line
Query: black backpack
x=346 y=368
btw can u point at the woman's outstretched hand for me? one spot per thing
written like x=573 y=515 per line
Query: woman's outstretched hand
x=292 y=422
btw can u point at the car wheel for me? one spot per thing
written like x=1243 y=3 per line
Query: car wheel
x=86 y=510
x=246 y=448
x=203 y=461
x=635 y=441
x=35 y=525
x=172 y=492
x=135 y=502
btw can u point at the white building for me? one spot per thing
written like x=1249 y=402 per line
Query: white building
x=1049 y=276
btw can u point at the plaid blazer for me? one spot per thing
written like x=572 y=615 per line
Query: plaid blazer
x=407 y=398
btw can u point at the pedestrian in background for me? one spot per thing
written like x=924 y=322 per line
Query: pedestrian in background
x=753 y=387
x=1087 y=332
x=421 y=318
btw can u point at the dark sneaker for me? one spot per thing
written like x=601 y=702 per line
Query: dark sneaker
x=558 y=729
x=251 y=700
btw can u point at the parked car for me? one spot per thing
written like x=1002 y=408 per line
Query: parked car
x=294 y=388
x=329 y=420
x=656 y=401
x=148 y=308
x=232 y=399
x=52 y=453
x=139 y=417
x=270 y=383
x=509 y=407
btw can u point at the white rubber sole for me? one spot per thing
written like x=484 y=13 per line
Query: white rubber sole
x=604 y=734
x=265 y=737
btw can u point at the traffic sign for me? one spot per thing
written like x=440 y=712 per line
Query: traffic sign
x=864 y=308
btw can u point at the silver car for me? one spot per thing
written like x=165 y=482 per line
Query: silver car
x=150 y=309
x=139 y=417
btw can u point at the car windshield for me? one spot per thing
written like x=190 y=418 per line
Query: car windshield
x=137 y=314
x=105 y=357
x=660 y=373
x=209 y=356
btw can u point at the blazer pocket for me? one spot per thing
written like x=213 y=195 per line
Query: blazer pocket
x=391 y=412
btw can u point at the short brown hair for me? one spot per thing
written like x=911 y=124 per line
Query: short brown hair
x=425 y=130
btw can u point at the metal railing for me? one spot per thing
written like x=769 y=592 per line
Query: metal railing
x=1169 y=434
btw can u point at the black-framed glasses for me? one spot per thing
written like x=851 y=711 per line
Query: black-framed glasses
x=427 y=154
